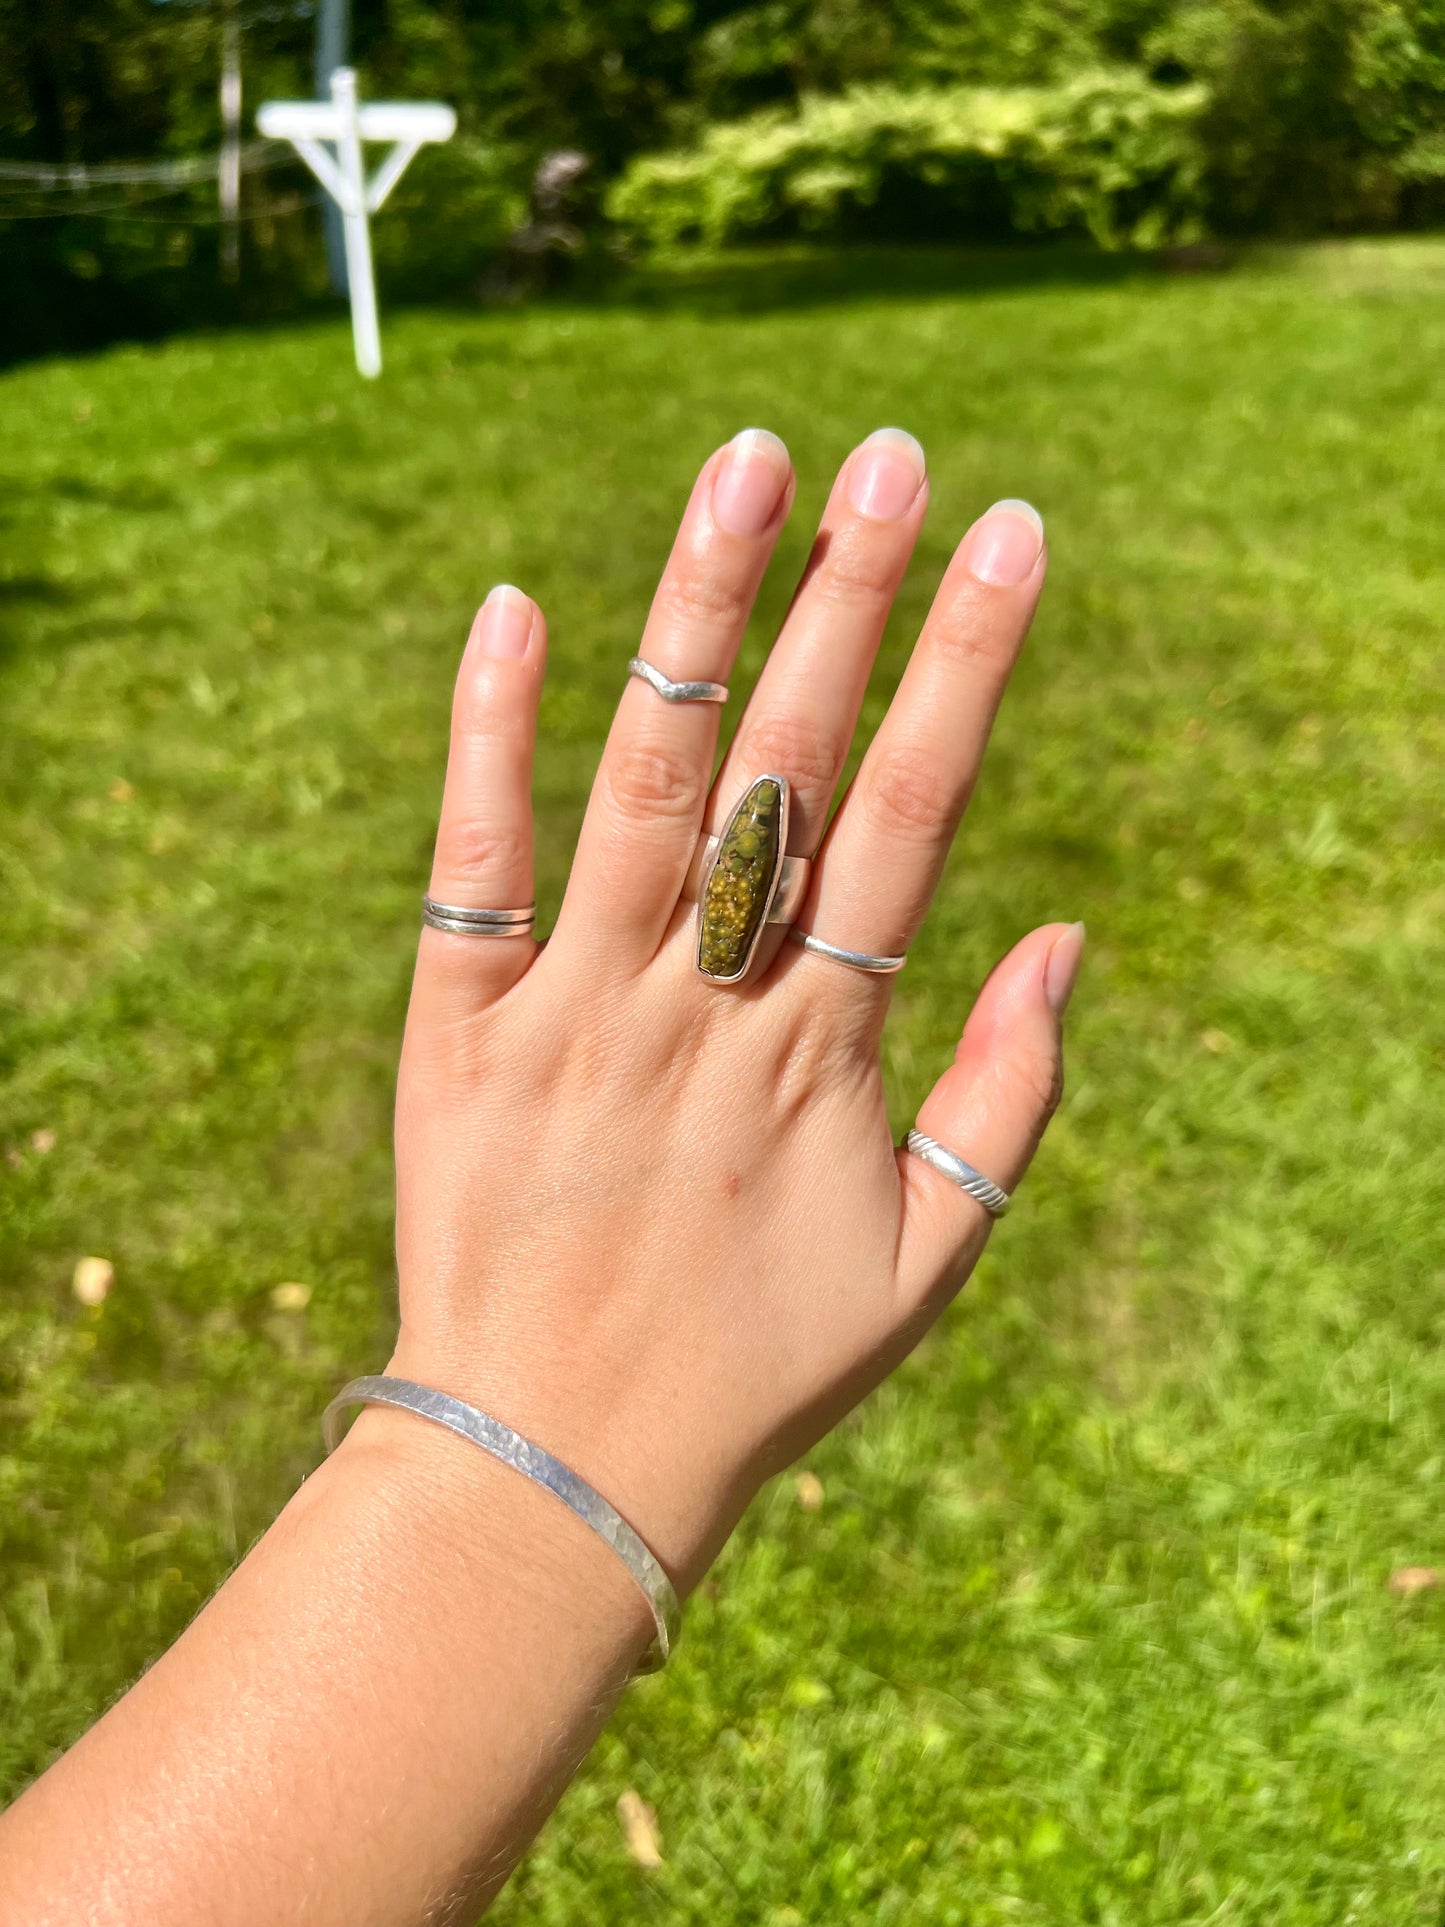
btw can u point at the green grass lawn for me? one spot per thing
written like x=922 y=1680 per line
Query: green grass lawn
x=1094 y=1622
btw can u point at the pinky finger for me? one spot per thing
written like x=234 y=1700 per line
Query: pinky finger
x=990 y=1107
x=483 y=855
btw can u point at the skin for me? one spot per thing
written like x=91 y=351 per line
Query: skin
x=657 y=1226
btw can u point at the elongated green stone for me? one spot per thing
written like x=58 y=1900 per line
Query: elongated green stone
x=735 y=902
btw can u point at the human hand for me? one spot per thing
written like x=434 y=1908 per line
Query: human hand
x=658 y=1226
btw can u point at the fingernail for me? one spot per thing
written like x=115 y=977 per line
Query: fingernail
x=1062 y=968
x=885 y=474
x=749 y=486
x=503 y=627
x=1004 y=544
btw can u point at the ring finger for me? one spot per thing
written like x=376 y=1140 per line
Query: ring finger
x=890 y=839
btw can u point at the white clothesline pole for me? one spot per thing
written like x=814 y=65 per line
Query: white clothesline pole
x=228 y=174
x=328 y=136
x=355 y=228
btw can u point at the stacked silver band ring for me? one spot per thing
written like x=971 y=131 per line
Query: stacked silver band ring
x=854 y=959
x=464 y=922
x=994 y=1199
x=676 y=692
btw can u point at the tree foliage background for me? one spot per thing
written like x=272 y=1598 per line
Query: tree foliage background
x=1136 y=121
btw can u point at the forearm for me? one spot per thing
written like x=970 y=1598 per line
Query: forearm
x=366 y=1724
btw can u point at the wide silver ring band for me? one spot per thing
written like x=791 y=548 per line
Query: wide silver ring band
x=994 y=1199
x=535 y=1464
x=854 y=959
x=477 y=923
x=676 y=692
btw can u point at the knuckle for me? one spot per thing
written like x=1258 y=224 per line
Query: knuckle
x=705 y=600
x=1038 y=1076
x=975 y=634
x=652 y=779
x=859 y=568
x=795 y=747
x=912 y=795
x=478 y=718
x=474 y=852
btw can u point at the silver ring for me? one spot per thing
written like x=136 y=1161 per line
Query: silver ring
x=477 y=923
x=855 y=959
x=676 y=692
x=742 y=881
x=994 y=1199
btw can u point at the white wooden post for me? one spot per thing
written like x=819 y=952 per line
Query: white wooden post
x=360 y=278
x=333 y=36
x=328 y=137
x=228 y=181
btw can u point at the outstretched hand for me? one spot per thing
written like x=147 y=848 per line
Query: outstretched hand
x=657 y=1225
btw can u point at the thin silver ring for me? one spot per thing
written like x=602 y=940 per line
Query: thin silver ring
x=994 y=1199
x=854 y=959
x=676 y=692
x=477 y=923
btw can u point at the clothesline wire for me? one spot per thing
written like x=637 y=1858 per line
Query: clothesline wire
x=185 y=171
x=112 y=211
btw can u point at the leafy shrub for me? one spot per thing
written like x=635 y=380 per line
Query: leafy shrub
x=1109 y=152
x=454 y=209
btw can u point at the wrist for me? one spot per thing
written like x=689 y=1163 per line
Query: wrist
x=602 y=1426
x=443 y=1505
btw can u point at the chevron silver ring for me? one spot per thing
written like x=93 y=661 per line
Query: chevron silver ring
x=676 y=692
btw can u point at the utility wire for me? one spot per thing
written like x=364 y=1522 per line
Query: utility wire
x=186 y=171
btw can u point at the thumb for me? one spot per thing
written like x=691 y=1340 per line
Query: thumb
x=990 y=1107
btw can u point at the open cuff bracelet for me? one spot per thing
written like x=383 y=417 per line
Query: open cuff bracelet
x=535 y=1464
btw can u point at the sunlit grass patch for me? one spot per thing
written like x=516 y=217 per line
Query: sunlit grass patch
x=1092 y=1620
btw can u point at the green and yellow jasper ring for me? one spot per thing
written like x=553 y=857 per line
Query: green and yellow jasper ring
x=743 y=880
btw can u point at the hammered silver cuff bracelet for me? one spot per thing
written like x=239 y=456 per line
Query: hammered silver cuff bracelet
x=535 y=1464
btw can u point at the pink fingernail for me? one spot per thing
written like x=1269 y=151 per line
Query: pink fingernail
x=749 y=485
x=1004 y=544
x=1062 y=968
x=885 y=475
x=503 y=627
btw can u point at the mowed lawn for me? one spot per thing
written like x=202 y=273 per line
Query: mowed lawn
x=1096 y=1620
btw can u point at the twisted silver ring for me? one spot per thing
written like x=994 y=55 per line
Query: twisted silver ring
x=854 y=959
x=994 y=1199
x=676 y=692
x=477 y=923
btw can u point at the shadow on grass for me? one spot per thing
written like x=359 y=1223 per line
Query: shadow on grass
x=742 y=281
x=769 y=281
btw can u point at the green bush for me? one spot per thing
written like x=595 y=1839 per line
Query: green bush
x=1109 y=152
x=454 y=209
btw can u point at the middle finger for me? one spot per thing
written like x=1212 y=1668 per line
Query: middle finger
x=800 y=718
